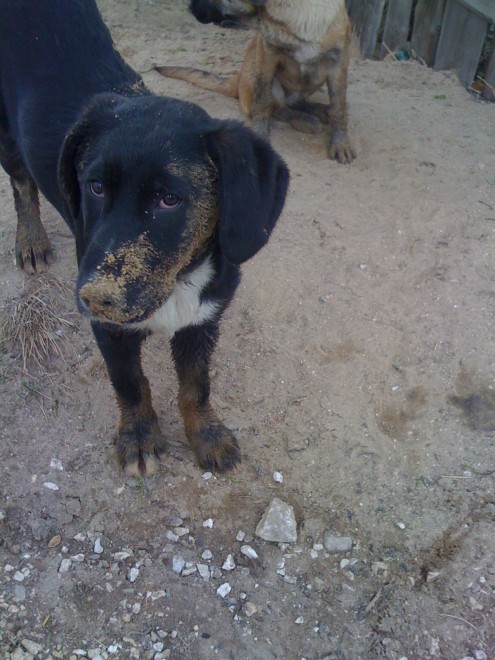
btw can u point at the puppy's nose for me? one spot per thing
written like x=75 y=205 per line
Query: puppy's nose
x=100 y=298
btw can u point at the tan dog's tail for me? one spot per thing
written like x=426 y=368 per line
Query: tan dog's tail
x=203 y=79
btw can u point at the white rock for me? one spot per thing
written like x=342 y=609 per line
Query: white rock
x=344 y=562
x=207 y=475
x=204 y=571
x=207 y=554
x=158 y=646
x=181 y=531
x=229 y=563
x=278 y=477
x=224 y=589
x=65 y=565
x=335 y=544
x=114 y=648
x=50 y=485
x=189 y=570
x=249 y=552
x=18 y=576
x=313 y=554
x=401 y=525
x=98 y=548
x=31 y=647
x=208 y=523
x=56 y=464
x=299 y=620
x=480 y=655
x=240 y=535
x=178 y=564
x=136 y=608
x=80 y=537
x=249 y=609
x=79 y=558
x=132 y=574
x=278 y=523
x=120 y=556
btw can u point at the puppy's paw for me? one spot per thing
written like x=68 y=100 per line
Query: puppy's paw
x=139 y=448
x=340 y=149
x=216 y=448
x=33 y=253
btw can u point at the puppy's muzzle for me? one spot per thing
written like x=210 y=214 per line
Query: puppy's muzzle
x=102 y=298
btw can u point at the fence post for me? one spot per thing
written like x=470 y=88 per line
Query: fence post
x=396 y=28
x=366 y=17
x=426 y=31
x=461 y=41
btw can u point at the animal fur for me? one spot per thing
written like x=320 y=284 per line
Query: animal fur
x=299 y=46
x=158 y=195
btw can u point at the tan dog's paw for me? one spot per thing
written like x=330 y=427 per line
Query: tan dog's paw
x=340 y=149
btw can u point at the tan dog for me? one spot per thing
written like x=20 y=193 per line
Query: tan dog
x=299 y=46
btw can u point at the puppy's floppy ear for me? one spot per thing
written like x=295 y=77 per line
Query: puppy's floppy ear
x=95 y=119
x=253 y=182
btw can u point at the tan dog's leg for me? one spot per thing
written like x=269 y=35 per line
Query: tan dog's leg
x=339 y=146
x=255 y=83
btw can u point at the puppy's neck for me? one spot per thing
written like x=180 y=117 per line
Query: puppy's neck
x=305 y=20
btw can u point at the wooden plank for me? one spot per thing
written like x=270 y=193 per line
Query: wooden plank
x=426 y=30
x=366 y=17
x=489 y=91
x=484 y=8
x=396 y=28
x=461 y=41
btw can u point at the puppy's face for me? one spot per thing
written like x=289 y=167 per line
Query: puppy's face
x=223 y=11
x=148 y=182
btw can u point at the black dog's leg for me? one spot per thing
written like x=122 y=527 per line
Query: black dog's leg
x=33 y=251
x=139 y=441
x=214 y=445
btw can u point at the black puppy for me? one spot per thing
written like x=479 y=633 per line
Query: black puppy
x=164 y=203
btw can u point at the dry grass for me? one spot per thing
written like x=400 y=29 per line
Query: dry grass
x=33 y=325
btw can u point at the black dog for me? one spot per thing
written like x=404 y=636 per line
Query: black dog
x=164 y=203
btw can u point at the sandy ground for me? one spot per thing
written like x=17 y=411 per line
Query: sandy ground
x=358 y=359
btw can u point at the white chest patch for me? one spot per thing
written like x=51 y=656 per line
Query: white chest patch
x=183 y=306
x=307 y=53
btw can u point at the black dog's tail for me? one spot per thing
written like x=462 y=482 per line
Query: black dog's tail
x=210 y=81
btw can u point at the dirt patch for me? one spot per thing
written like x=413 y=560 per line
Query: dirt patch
x=340 y=365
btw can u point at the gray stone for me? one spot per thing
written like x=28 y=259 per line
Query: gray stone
x=335 y=544
x=178 y=564
x=31 y=647
x=278 y=523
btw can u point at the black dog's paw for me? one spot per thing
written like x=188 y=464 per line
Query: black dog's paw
x=139 y=448
x=33 y=253
x=216 y=448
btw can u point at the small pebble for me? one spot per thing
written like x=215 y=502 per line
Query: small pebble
x=56 y=464
x=401 y=525
x=188 y=571
x=207 y=475
x=344 y=562
x=204 y=571
x=79 y=558
x=50 y=485
x=18 y=576
x=249 y=609
x=177 y=564
x=171 y=536
x=240 y=535
x=480 y=655
x=64 y=565
x=336 y=544
x=132 y=574
x=224 y=589
x=181 y=531
x=278 y=477
x=249 y=552
x=208 y=523
x=98 y=548
x=229 y=563
x=207 y=554
x=299 y=620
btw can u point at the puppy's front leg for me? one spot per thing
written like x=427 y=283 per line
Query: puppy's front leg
x=339 y=145
x=214 y=445
x=139 y=441
x=255 y=84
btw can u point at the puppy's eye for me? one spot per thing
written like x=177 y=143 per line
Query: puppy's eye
x=169 y=201
x=96 y=189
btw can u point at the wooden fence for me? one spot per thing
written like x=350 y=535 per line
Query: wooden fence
x=444 y=34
